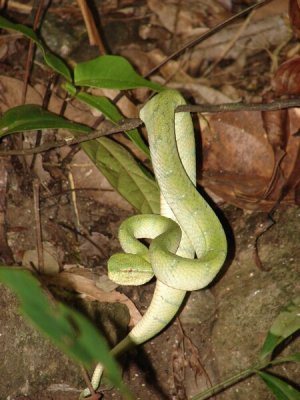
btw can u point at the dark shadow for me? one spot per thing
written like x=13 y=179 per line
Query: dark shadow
x=139 y=357
x=97 y=316
x=285 y=343
x=101 y=315
x=231 y=246
x=288 y=381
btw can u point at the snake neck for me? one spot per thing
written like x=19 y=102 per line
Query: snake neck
x=165 y=303
x=171 y=146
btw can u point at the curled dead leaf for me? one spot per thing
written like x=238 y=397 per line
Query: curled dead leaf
x=287 y=77
x=276 y=126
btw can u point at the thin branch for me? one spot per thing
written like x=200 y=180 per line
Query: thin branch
x=40 y=8
x=38 y=226
x=128 y=124
x=46 y=100
x=216 y=108
x=92 y=31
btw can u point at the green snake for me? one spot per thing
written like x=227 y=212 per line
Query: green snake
x=187 y=225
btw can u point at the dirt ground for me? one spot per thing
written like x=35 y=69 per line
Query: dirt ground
x=219 y=330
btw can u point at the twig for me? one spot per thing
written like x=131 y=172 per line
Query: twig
x=216 y=108
x=136 y=122
x=69 y=157
x=259 y=232
x=126 y=125
x=74 y=199
x=38 y=227
x=90 y=25
x=31 y=48
x=192 y=347
x=45 y=104
x=83 y=234
x=15 y=6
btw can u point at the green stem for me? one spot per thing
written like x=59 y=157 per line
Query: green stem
x=225 y=384
x=206 y=394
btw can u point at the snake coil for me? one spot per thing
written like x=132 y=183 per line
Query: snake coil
x=187 y=225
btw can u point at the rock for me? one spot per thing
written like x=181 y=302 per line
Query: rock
x=32 y=366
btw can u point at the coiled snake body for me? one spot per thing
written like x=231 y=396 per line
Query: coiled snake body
x=187 y=225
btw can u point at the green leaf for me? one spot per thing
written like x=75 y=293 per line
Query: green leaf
x=291 y=358
x=104 y=105
x=67 y=329
x=124 y=174
x=281 y=389
x=286 y=323
x=30 y=117
x=111 y=72
x=51 y=59
x=294 y=357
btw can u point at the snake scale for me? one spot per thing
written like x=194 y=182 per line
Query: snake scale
x=187 y=225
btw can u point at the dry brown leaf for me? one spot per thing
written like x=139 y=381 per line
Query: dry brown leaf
x=287 y=77
x=291 y=163
x=275 y=7
x=187 y=18
x=269 y=32
x=294 y=14
x=239 y=161
x=11 y=93
x=87 y=287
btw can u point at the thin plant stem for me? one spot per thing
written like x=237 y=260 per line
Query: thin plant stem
x=225 y=384
x=246 y=373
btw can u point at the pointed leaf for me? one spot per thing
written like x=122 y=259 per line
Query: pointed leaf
x=51 y=59
x=292 y=358
x=281 y=389
x=111 y=72
x=30 y=117
x=67 y=329
x=104 y=105
x=286 y=323
x=124 y=174
x=101 y=103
